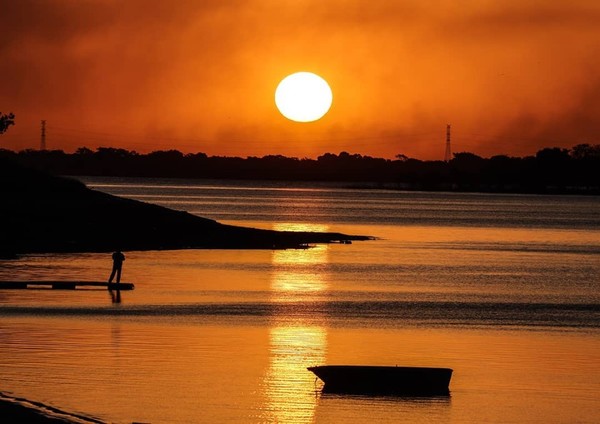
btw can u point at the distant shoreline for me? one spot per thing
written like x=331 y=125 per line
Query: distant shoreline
x=552 y=170
x=346 y=185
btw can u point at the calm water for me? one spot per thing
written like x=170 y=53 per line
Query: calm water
x=503 y=289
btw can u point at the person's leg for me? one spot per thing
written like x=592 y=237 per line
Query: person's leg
x=118 y=274
x=112 y=274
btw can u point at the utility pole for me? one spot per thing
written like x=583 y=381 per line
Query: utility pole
x=43 y=138
x=448 y=154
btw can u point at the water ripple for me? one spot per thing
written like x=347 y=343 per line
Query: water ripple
x=388 y=312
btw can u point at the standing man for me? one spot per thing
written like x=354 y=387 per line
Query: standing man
x=118 y=257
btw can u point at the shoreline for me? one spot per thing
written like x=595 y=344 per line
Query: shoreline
x=49 y=214
x=21 y=410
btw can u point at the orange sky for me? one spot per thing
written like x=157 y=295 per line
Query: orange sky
x=511 y=76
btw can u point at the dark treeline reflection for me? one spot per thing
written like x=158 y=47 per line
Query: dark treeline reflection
x=551 y=170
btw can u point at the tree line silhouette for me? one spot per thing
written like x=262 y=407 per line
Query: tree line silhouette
x=551 y=170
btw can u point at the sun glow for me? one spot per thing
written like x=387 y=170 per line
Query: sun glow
x=303 y=97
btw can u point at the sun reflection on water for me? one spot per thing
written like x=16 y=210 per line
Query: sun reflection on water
x=300 y=226
x=290 y=388
x=298 y=274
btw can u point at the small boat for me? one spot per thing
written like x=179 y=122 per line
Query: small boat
x=404 y=381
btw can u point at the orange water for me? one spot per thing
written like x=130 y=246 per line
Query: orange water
x=226 y=336
x=164 y=371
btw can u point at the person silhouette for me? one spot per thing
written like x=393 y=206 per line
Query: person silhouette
x=118 y=257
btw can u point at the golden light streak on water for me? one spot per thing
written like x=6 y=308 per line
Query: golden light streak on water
x=290 y=387
x=298 y=273
x=300 y=226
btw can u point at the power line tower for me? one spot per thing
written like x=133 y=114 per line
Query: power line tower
x=43 y=136
x=448 y=154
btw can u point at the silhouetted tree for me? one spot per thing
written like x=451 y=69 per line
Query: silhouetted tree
x=84 y=151
x=467 y=162
x=166 y=155
x=6 y=120
x=115 y=153
x=196 y=156
x=585 y=151
x=553 y=155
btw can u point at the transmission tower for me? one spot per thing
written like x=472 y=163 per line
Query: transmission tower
x=448 y=154
x=43 y=137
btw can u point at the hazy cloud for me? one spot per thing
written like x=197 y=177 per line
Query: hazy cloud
x=510 y=76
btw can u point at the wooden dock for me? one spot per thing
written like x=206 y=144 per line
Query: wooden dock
x=63 y=285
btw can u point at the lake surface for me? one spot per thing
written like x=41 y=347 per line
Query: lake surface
x=504 y=289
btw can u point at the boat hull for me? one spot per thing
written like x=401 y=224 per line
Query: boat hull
x=406 y=381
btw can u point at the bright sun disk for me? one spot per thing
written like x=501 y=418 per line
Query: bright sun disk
x=303 y=97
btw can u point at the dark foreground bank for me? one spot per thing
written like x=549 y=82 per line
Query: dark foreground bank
x=48 y=214
x=17 y=410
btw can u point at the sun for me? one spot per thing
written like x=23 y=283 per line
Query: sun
x=303 y=97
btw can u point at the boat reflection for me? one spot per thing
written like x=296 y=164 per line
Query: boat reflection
x=295 y=342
